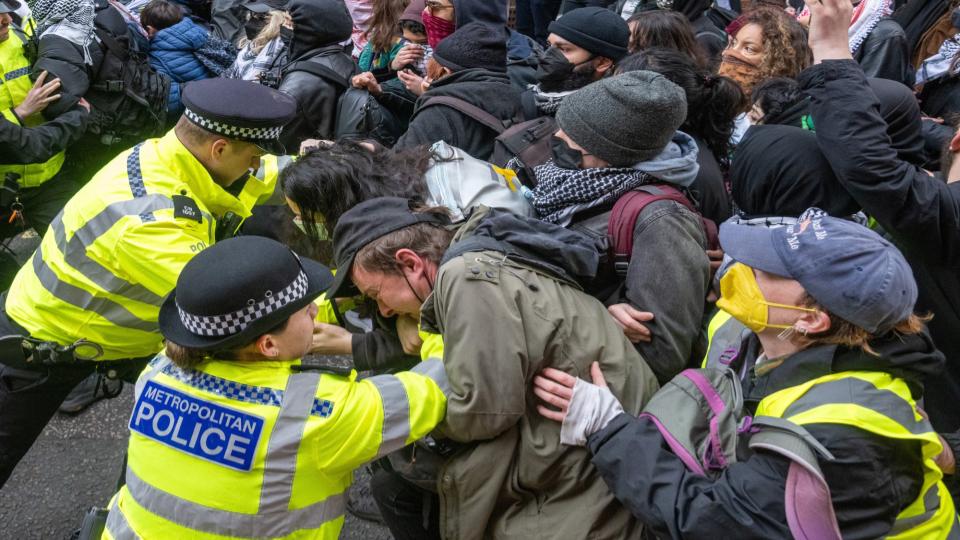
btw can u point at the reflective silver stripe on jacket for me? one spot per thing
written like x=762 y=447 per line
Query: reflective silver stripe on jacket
x=117 y=524
x=855 y=391
x=71 y=294
x=931 y=503
x=396 y=413
x=75 y=251
x=273 y=518
x=433 y=368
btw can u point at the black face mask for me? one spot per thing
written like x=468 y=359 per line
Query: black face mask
x=564 y=156
x=253 y=27
x=286 y=34
x=557 y=74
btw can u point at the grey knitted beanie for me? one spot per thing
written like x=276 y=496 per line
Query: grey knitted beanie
x=624 y=119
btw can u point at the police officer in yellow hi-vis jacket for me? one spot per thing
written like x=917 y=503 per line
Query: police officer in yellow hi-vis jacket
x=90 y=295
x=231 y=436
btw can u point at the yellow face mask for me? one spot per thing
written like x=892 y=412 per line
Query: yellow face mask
x=740 y=296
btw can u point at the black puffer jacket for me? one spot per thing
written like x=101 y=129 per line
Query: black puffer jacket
x=489 y=90
x=23 y=145
x=871 y=480
x=919 y=211
x=319 y=27
x=884 y=54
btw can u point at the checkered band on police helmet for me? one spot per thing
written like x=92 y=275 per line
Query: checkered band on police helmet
x=269 y=133
x=232 y=323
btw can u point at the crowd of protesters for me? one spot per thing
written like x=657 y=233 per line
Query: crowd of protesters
x=602 y=269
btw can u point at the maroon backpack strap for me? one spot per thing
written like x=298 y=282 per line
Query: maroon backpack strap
x=623 y=218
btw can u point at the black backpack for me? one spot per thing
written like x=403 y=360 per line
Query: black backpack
x=359 y=114
x=128 y=97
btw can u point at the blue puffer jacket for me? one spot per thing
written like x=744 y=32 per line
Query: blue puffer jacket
x=172 y=51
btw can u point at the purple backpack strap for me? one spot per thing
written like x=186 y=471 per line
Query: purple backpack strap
x=807 y=500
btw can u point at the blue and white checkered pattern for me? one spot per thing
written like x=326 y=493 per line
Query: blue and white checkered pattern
x=271 y=133
x=232 y=323
x=16 y=74
x=134 y=175
x=240 y=392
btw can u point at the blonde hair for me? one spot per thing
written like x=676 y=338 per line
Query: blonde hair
x=847 y=334
x=268 y=33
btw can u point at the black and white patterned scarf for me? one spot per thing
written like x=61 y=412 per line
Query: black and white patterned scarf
x=547 y=102
x=558 y=189
x=72 y=20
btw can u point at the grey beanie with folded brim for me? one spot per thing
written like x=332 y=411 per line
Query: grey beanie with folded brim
x=624 y=119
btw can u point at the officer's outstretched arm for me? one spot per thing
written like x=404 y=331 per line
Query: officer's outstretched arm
x=382 y=414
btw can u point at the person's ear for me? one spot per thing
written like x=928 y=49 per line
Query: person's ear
x=268 y=346
x=603 y=66
x=813 y=322
x=955 y=142
x=217 y=150
x=408 y=261
x=151 y=31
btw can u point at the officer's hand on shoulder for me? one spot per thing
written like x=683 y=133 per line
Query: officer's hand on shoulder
x=37 y=99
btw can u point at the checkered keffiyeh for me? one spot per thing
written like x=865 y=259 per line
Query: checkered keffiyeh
x=559 y=188
x=235 y=132
x=232 y=323
x=77 y=14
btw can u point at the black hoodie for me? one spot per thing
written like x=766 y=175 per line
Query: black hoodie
x=522 y=52
x=319 y=26
x=871 y=479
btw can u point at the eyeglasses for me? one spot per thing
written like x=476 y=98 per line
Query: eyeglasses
x=436 y=5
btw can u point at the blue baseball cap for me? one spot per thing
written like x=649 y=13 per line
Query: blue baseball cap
x=848 y=269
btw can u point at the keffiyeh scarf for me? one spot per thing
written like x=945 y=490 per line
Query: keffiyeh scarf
x=71 y=20
x=559 y=189
x=938 y=65
x=547 y=102
x=864 y=19
x=249 y=64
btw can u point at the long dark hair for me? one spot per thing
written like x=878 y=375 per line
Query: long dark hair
x=713 y=102
x=328 y=181
x=667 y=29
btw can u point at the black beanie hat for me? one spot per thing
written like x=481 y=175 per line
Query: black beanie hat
x=599 y=31
x=474 y=45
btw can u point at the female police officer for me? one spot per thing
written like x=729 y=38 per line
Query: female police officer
x=231 y=436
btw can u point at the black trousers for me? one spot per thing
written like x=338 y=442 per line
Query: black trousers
x=30 y=395
x=410 y=512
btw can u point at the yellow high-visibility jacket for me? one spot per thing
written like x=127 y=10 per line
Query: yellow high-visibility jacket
x=116 y=249
x=240 y=449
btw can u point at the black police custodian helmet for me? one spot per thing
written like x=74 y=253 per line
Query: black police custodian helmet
x=236 y=290
x=241 y=110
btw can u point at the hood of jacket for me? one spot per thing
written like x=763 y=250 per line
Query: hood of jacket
x=318 y=23
x=677 y=164
x=559 y=252
x=186 y=35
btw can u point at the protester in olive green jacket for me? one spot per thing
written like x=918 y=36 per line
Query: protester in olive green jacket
x=504 y=295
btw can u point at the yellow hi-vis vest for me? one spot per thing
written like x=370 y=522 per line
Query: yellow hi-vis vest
x=15 y=83
x=880 y=404
x=115 y=251
x=256 y=450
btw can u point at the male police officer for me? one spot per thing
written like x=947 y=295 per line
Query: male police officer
x=32 y=153
x=92 y=290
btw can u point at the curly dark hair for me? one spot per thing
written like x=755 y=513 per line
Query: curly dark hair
x=784 y=41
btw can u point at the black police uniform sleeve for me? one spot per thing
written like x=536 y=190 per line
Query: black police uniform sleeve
x=747 y=500
x=23 y=145
x=920 y=211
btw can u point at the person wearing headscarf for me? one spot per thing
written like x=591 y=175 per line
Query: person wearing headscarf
x=780 y=171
